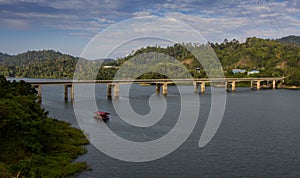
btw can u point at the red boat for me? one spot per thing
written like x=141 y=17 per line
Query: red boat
x=101 y=115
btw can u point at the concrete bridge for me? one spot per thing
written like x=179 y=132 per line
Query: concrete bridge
x=227 y=83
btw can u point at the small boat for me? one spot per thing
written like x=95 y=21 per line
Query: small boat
x=101 y=115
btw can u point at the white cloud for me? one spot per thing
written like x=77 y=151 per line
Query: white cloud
x=7 y=1
x=218 y=28
x=216 y=19
x=15 y=24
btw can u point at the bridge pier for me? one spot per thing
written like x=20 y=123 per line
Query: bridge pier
x=233 y=86
x=226 y=86
x=202 y=87
x=230 y=83
x=116 y=90
x=72 y=92
x=165 y=89
x=109 y=90
x=39 y=90
x=258 y=84
x=157 y=89
x=274 y=84
x=40 y=93
x=66 y=93
x=196 y=87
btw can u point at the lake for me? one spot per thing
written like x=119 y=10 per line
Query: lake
x=259 y=135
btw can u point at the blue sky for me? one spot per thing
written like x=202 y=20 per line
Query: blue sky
x=69 y=25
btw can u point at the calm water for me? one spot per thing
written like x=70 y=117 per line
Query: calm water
x=259 y=135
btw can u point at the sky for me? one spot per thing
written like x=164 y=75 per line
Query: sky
x=68 y=26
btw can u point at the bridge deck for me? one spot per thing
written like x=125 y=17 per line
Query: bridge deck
x=228 y=82
x=56 y=82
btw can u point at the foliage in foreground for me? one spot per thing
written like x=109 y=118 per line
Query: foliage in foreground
x=33 y=145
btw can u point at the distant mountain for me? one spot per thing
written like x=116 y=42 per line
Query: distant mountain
x=291 y=39
x=3 y=57
x=106 y=61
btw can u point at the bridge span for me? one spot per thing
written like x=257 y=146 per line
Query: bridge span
x=228 y=83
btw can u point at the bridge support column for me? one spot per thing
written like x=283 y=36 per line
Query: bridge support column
x=251 y=84
x=165 y=89
x=109 y=90
x=39 y=93
x=258 y=85
x=274 y=84
x=116 y=90
x=226 y=85
x=233 y=86
x=72 y=92
x=196 y=85
x=202 y=87
x=66 y=92
x=157 y=88
x=39 y=90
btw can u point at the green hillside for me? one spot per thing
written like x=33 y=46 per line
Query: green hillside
x=39 y=64
x=44 y=64
x=273 y=58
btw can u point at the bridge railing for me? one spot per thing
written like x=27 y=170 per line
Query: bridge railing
x=37 y=82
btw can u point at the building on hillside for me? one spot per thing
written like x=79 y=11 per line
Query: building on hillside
x=236 y=71
x=253 y=72
x=109 y=67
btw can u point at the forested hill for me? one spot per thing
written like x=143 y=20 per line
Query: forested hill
x=40 y=64
x=272 y=58
x=46 y=63
x=291 y=39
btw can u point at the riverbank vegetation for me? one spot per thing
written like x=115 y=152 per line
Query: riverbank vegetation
x=32 y=144
x=272 y=58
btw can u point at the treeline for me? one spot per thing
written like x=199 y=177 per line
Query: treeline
x=291 y=39
x=172 y=61
x=33 y=145
x=273 y=58
x=38 y=64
